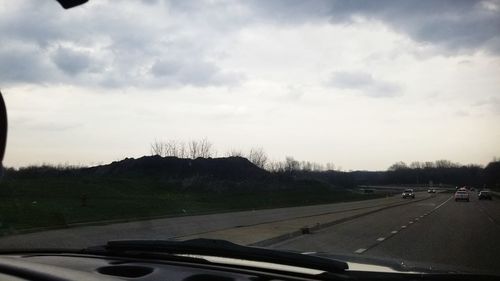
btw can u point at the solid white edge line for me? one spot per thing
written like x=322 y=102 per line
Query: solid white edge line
x=439 y=206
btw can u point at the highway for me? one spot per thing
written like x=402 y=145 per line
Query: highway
x=430 y=229
x=438 y=231
x=235 y=226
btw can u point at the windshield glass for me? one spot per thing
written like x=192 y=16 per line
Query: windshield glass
x=290 y=125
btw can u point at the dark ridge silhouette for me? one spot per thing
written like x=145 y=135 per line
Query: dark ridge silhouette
x=492 y=174
x=235 y=170
x=230 y=168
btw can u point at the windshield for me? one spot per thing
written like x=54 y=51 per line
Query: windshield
x=290 y=125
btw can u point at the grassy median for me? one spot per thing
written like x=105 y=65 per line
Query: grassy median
x=61 y=201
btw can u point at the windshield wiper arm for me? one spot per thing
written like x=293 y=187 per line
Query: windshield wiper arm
x=226 y=249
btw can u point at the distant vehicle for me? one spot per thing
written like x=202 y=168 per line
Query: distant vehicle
x=408 y=193
x=431 y=190
x=484 y=194
x=462 y=195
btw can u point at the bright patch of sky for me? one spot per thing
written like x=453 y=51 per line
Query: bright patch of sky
x=360 y=84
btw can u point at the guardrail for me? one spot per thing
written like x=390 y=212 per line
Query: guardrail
x=495 y=193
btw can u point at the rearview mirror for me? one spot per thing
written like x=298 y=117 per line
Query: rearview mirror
x=3 y=131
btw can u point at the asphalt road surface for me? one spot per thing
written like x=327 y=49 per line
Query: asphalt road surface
x=178 y=227
x=437 y=232
x=429 y=231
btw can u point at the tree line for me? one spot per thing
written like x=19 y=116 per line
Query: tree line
x=444 y=172
x=205 y=149
x=419 y=173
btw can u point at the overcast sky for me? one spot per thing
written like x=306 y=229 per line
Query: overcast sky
x=362 y=84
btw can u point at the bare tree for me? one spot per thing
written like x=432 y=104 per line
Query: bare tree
x=428 y=165
x=157 y=148
x=446 y=164
x=330 y=166
x=306 y=166
x=234 y=153
x=317 y=167
x=174 y=148
x=291 y=164
x=205 y=148
x=258 y=157
x=201 y=148
x=276 y=166
x=416 y=165
x=398 y=166
x=182 y=150
x=170 y=147
x=193 y=149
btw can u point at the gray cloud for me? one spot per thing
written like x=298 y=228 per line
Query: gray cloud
x=165 y=68
x=23 y=64
x=365 y=84
x=192 y=72
x=178 y=46
x=492 y=104
x=70 y=61
x=123 y=49
x=454 y=25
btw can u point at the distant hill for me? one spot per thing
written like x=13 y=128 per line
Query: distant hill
x=228 y=168
x=241 y=173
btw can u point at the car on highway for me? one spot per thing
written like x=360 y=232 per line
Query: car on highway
x=484 y=195
x=431 y=190
x=461 y=195
x=408 y=193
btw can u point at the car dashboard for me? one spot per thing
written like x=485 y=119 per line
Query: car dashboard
x=69 y=266
x=88 y=267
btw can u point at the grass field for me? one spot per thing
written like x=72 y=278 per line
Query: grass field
x=60 y=201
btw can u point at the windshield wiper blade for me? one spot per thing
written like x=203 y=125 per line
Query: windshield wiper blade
x=226 y=249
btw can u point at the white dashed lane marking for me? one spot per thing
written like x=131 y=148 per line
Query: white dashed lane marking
x=394 y=232
x=359 y=251
x=309 y=253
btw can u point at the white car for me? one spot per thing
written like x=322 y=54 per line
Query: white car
x=462 y=195
x=408 y=193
